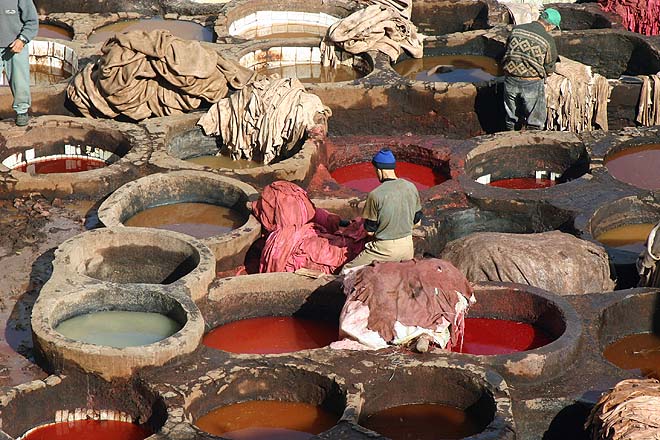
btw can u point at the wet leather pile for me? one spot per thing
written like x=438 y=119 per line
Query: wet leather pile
x=532 y=259
x=265 y=120
x=648 y=263
x=395 y=302
x=299 y=235
x=641 y=16
x=627 y=412
x=143 y=74
x=576 y=98
x=384 y=26
x=648 y=110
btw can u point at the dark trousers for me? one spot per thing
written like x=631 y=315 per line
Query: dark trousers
x=524 y=103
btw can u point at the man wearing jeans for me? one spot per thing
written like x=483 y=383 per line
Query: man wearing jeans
x=530 y=57
x=19 y=23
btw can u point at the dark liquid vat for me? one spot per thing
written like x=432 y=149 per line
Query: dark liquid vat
x=271 y=335
x=423 y=421
x=629 y=238
x=362 y=176
x=267 y=420
x=464 y=68
x=199 y=220
x=218 y=162
x=637 y=166
x=89 y=429
x=41 y=75
x=484 y=336
x=523 y=183
x=315 y=73
x=54 y=31
x=60 y=165
x=636 y=352
x=179 y=28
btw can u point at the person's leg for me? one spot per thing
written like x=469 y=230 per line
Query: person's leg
x=18 y=74
x=535 y=105
x=383 y=250
x=510 y=103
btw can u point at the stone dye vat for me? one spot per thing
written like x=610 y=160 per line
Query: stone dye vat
x=449 y=68
x=64 y=339
x=54 y=30
x=81 y=407
x=187 y=30
x=291 y=314
x=191 y=187
x=433 y=17
x=636 y=165
x=629 y=333
x=50 y=63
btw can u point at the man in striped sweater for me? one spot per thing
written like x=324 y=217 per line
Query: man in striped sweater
x=530 y=57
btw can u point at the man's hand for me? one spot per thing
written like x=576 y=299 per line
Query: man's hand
x=17 y=46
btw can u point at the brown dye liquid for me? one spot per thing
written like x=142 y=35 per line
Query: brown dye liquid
x=218 y=162
x=315 y=73
x=423 y=421
x=465 y=68
x=199 y=220
x=53 y=31
x=267 y=420
x=179 y=28
x=41 y=75
x=629 y=238
x=636 y=352
x=637 y=166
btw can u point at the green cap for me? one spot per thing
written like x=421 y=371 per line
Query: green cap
x=551 y=16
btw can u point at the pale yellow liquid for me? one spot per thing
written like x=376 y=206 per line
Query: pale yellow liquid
x=315 y=73
x=627 y=237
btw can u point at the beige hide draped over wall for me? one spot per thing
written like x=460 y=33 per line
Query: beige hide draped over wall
x=648 y=262
x=143 y=74
x=648 y=110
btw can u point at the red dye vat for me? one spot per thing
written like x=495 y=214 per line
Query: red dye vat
x=89 y=429
x=62 y=165
x=271 y=335
x=523 y=183
x=485 y=336
x=362 y=176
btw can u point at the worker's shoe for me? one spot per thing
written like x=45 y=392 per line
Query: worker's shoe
x=22 y=119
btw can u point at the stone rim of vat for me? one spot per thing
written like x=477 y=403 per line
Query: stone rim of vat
x=133 y=145
x=74 y=257
x=296 y=168
x=59 y=353
x=596 y=17
x=187 y=186
x=138 y=404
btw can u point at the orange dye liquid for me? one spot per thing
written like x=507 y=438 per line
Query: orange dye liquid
x=636 y=352
x=89 y=429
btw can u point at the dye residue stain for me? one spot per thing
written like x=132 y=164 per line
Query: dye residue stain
x=267 y=420
x=637 y=166
x=218 y=162
x=462 y=68
x=362 y=176
x=53 y=31
x=636 y=352
x=484 y=336
x=423 y=421
x=629 y=238
x=61 y=165
x=200 y=220
x=315 y=73
x=119 y=328
x=187 y=30
x=523 y=183
x=89 y=429
x=272 y=335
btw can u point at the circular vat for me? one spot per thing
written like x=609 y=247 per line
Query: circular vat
x=526 y=161
x=134 y=256
x=610 y=53
x=55 y=30
x=575 y=17
x=80 y=406
x=629 y=332
x=188 y=30
x=50 y=63
x=193 y=202
x=635 y=163
x=303 y=61
x=267 y=401
x=474 y=60
x=622 y=227
x=436 y=401
x=439 y=17
x=91 y=329
x=272 y=313
x=347 y=168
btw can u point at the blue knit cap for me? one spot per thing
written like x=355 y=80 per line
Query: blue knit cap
x=384 y=159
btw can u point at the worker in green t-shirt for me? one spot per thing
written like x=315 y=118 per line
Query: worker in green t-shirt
x=390 y=213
